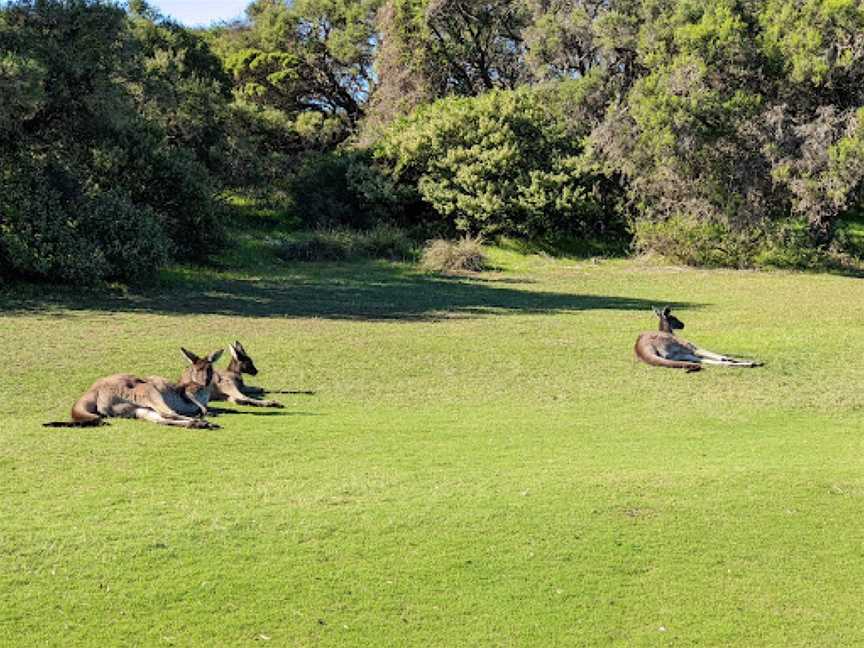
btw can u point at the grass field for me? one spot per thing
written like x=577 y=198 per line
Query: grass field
x=481 y=462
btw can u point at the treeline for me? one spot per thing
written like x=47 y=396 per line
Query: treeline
x=728 y=133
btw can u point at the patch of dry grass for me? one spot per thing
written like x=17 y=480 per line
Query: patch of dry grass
x=463 y=255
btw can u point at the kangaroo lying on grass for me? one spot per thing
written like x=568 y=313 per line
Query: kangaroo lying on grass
x=663 y=349
x=153 y=399
x=228 y=383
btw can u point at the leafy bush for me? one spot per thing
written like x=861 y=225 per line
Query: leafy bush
x=80 y=237
x=696 y=242
x=506 y=162
x=180 y=189
x=104 y=142
x=742 y=113
x=387 y=242
x=342 y=244
x=463 y=255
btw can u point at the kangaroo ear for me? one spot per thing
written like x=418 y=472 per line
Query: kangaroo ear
x=213 y=357
x=232 y=349
x=239 y=346
x=657 y=311
x=667 y=310
x=191 y=357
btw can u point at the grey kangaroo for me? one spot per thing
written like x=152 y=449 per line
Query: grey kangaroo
x=664 y=349
x=228 y=383
x=154 y=399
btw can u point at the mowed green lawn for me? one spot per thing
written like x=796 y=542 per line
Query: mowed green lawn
x=482 y=463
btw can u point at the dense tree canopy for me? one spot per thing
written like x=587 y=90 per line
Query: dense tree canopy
x=304 y=56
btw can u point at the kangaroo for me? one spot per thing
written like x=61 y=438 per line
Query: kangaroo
x=228 y=383
x=154 y=399
x=664 y=349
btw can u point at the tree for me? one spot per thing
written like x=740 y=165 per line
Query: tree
x=743 y=113
x=434 y=48
x=304 y=56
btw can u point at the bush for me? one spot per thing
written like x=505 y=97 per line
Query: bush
x=179 y=188
x=77 y=238
x=342 y=244
x=695 y=242
x=105 y=143
x=464 y=255
x=506 y=162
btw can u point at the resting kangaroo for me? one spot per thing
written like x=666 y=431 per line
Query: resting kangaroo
x=228 y=383
x=151 y=399
x=663 y=349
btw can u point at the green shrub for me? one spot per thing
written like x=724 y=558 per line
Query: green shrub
x=178 y=187
x=321 y=193
x=387 y=242
x=506 y=162
x=463 y=255
x=105 y=143
x=690 y=241
x=77 y=238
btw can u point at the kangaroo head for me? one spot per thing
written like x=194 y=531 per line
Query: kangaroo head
x=241 y=362
x=199 y=373
x=668 y=322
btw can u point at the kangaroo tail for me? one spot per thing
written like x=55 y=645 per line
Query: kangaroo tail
x=84 y=414
x=657 y=361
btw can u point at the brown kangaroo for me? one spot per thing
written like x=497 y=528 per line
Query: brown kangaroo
x=664 y=349
x=153 y=399
x=228 y=383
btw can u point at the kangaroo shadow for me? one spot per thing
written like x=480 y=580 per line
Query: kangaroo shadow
x=223 y=412
x=361 y=291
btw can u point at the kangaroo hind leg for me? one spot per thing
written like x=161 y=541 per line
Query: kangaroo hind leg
x=709 y=357
x=133 y=410
x=147 y=414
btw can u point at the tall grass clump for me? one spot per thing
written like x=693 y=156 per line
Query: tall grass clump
x=463 y=255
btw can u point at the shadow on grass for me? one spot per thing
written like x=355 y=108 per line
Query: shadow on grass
x=217 y=412
x=358 y=291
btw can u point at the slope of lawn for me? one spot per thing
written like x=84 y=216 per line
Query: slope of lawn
x=462 y=462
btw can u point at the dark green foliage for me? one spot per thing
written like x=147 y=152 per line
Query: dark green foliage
x=322 y=193
x=105 y=142
x=782 y=244
x=745 y=115
x=724 y=133
x=184 y=193
x=54 y=228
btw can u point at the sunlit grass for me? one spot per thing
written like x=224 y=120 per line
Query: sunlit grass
x=482 y=462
